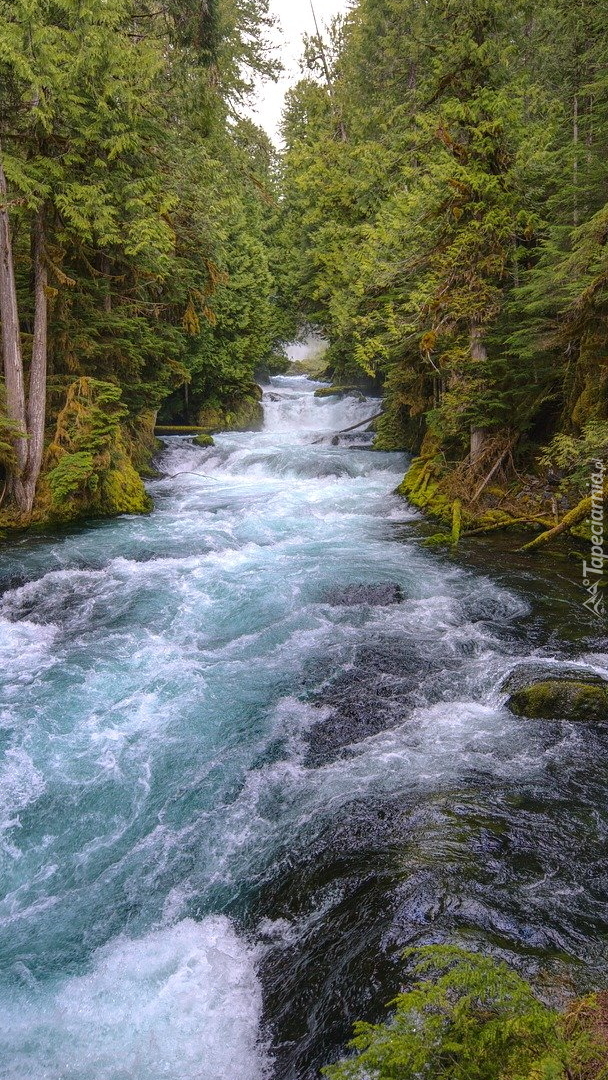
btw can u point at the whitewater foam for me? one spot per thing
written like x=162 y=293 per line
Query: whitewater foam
x=182 y=1003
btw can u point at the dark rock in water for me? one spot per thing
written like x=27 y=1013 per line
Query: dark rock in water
x=339 y=391
x=16 y=581
x=562 y=699
x=376 y=694
x=351 y=595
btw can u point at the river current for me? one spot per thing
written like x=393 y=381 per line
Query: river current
x=255 y=744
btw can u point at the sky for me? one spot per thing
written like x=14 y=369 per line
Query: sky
x=296 y=19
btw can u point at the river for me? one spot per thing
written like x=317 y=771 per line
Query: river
x=256 y=743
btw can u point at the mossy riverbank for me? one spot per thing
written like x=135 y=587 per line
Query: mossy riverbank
x=98 y=456
x=468 y=506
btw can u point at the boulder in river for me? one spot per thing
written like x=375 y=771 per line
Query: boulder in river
x=351 y=595
x=562 y=699
x=339 y=391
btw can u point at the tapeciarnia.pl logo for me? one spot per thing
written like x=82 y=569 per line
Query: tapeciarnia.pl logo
x=593 y=570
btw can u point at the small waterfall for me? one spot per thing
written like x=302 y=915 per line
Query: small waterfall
x=290 y=406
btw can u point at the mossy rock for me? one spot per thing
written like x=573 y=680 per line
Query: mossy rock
x=339 y=391
x=121 y=491
x=243 y=413
x=203 y=440
x=562 y=699
x=420 y=486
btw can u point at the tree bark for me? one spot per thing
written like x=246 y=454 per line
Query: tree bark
x=478 y=353
x=11 y=344
x=575 y=161
x=36 y=409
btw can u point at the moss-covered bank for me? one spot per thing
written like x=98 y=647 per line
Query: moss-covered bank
x=95 y=459
x=487 y=499
x=239 y=413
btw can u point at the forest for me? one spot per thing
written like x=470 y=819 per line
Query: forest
x=137 y=202
x=445 y=221
x=438 y=212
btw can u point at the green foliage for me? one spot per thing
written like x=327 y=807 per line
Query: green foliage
x=120 y=126
x=7 y=450
x=444 y=218
x=71 y=475
x=468 y=1018
x=577 y=456
x=90 y=469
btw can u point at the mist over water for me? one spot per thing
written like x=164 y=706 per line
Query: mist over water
x=233 y=788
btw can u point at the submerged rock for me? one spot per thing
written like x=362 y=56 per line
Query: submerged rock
x=562 y=699
x=351 y=595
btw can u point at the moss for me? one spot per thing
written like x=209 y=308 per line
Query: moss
x=203 y=440
x=143 y=444
x=243 y=413
x=396 y=429
x=456 y=520
x=421 y=487
x=89 y=468
x=339 y=391
x=561 y=699
x=121 y=491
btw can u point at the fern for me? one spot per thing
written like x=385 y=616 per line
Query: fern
x=468 y=1018
x=71 y=476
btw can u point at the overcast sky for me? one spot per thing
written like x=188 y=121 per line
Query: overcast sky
x=296 y=19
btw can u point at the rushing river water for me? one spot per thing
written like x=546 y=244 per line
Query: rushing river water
x=254 y=745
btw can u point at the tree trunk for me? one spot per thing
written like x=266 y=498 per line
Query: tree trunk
x=11 y=344
x=36 y=410
x=478 y=353
x=575 y=161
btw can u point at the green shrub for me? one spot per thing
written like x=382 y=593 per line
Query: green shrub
x=468 y=1018
x=72 y=473
x=577 y=456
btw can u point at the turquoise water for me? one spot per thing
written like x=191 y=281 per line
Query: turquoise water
x=183 y=714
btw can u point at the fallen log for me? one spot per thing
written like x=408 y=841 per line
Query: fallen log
x=353 y=427
x=506 y=525
x=361 y=423
x=573 y=517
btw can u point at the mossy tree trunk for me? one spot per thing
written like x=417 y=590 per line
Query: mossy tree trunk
x=574 y=517
x=480 y=355
x=11 y=345
x=27 y=416
x=36 y=407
